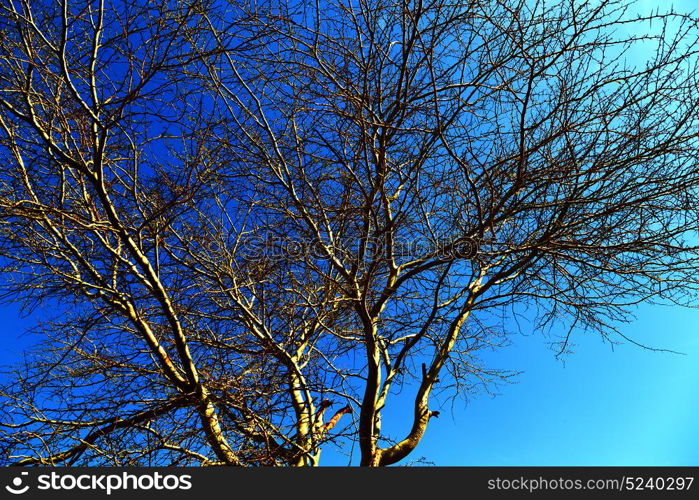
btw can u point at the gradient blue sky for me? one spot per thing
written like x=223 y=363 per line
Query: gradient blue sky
x=598 y=406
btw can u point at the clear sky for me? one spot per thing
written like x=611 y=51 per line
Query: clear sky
x=600 y=405
x=597 y=406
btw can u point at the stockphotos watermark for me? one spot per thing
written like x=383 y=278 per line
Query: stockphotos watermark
x=96 y=482
x=255 y=248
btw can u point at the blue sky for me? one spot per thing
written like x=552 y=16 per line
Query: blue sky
x=600 y=405
x=597 y=406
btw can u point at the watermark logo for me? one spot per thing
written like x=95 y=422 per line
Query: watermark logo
x=102 y=483
x=114 y=482
x=16 y=487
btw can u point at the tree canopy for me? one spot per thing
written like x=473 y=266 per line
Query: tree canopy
x=251 y=226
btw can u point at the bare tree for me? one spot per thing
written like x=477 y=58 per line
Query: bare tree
x=242 y=222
